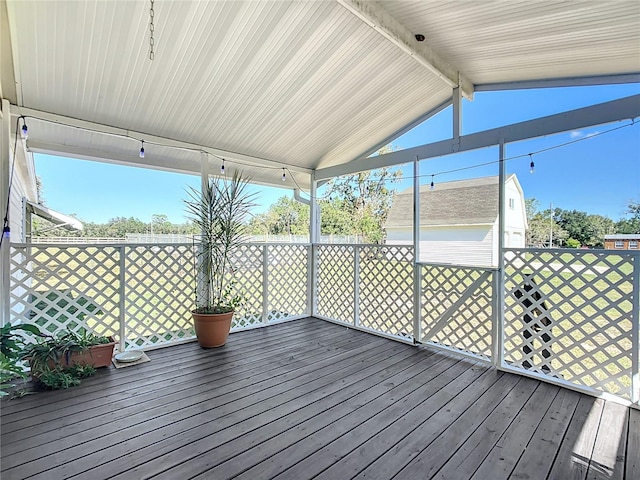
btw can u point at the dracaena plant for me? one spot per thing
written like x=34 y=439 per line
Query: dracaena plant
x=220 y=210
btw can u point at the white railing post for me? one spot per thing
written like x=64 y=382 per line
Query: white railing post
x=417 y=269
x=356 y=285
x=497 y=332
x=311 y=283
x=635 y=332
x=496 y=307
x=122 y=291
x=265 y=284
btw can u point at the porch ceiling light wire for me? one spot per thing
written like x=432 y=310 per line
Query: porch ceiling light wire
x=159 y=144
x=5 y=221
x=530 y=155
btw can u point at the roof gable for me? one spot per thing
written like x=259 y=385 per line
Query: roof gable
x=462 y=202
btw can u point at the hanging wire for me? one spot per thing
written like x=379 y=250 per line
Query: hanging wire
x=286 y=169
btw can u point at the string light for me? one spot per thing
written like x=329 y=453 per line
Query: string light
x=532 y=166
x=141 y=149
x=222 y=167
x=284 y=175
x=432 y=186
x=24 y=133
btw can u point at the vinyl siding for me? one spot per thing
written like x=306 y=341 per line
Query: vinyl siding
x=468 y=245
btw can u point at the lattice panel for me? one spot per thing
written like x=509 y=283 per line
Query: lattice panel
x=568 y=314
x=457 y=307
x=386 y=289
x=288 y=277
x=247 y=275
x=160 y=294
x=73 y=288
x=335 y=282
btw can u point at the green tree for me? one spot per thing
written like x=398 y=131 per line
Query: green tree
x=285 y=217
x=587 y=229
x=541 y=224
x=632 y=224
x=367 y=197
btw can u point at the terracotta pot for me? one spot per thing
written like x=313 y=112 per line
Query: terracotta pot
x=96 y=356
x=212 y=329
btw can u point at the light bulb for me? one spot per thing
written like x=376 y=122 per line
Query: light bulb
x=142 y=149
x=532 y=167
x=284 y=175
x=222 y=167
x=432 y=186
x=25 y=131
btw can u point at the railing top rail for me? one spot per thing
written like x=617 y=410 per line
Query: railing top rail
x=576 y=251
x=153 y=244
x=119 y=245
x=451 y=265
x=374 y=245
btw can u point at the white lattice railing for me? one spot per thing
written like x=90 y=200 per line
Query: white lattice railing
x=569 y=316
x=457 y=307
x=573 y=315
x=142 y=294
x=368 y=286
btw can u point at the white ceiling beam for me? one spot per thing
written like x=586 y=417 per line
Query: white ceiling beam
x=148 y=138
x=383 y=22
x=616 y=110
x=561 y=82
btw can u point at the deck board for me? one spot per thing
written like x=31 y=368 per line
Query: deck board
x=311 y=399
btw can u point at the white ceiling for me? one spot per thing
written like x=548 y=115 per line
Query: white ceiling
x=302 y=85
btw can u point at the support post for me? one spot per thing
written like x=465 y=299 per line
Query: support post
x=457 y=118
x=417 y=268
x=498 y=326
x=5 y=188
x=202 y=289
x=314 y=238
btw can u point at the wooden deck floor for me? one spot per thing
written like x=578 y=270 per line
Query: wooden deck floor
x=309 y=399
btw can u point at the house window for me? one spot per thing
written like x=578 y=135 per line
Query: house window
x=619 y=244
x=512 y=203
x=633 y=244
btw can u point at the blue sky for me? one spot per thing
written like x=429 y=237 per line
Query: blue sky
x=598 y=175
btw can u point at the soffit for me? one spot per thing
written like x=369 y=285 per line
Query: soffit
x=300 y=84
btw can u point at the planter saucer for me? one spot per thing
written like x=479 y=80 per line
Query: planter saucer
x=126 y=357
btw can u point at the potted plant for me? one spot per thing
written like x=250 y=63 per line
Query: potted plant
x=220 y=210
x=12 y=342
x=68 y=349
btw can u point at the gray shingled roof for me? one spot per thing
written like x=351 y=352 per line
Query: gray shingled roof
x=463 y=202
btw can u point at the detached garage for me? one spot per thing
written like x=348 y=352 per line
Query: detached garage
x=459 y=221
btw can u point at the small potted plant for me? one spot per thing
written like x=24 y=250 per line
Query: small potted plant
x=221 y=211
x=68 y=349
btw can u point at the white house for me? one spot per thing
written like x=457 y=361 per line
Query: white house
x=24 y=201
x=459 y=220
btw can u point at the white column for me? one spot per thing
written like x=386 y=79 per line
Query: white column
x=5 y=159
x=314 y=238
x=457 y=118
x=498 y=327
x=202 y=290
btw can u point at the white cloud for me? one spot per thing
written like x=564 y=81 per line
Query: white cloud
x=580 y=134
